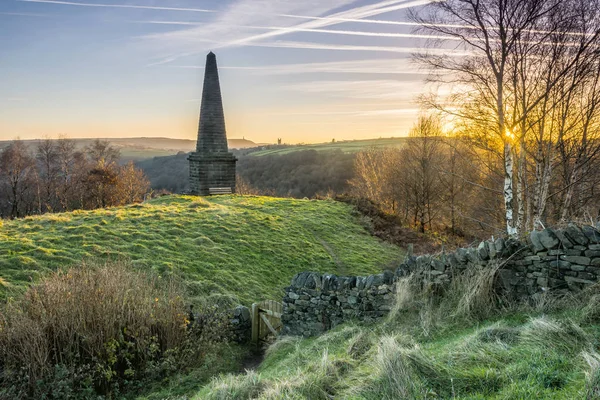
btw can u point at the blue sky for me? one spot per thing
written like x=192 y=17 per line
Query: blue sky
x=306 y=71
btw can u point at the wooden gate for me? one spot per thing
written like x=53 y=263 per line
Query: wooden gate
x=266 y=319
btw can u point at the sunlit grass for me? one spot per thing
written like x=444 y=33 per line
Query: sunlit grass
x=228 y=248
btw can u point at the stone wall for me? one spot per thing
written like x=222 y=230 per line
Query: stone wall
x=552 y=260
x=240 y=324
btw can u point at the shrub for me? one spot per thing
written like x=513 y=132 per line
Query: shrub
x=95 y=329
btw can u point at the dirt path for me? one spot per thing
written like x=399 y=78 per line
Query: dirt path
x=253 y=360
x=341 y=268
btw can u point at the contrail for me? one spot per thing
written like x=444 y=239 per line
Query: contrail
x=71 y=3
x=359 y=12
x=354 y=13
x=363 y=33
x=342 y=47
x=370 y=21
x=23 y=14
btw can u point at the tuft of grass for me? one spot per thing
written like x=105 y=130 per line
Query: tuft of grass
x=397 y=375
x=592 y=375
x=565 y=337
x=475 y=291
x=234 y=387
x=230 y=248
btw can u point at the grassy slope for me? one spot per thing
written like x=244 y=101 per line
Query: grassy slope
x=516 y=357
x=247 y=248
x=346 y=146
x=459 y=343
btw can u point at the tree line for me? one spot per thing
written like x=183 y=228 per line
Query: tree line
x=304 y=173
x=446 y=181
x=55 y=176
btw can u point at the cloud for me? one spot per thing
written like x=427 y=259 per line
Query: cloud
x=392 y=113
x=168 y=22
x=383 y=66
x=231 y=28
x=71 y=3
x=383 y=90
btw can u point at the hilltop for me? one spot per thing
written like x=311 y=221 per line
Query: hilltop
x=230 y=248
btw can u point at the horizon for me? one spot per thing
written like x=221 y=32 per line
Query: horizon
x=308 y=73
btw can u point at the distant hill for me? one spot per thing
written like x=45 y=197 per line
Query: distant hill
x=241 y=247
x=347 y=146
x=136 y=149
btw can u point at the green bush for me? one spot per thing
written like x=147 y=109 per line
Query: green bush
x=97 y=330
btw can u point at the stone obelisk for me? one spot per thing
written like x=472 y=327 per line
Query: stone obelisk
x=212 y=166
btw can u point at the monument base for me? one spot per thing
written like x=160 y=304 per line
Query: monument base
x=212 y=173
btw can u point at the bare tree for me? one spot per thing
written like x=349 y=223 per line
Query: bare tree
x=419 y=169
x=46 y=155
x=372 y=176
x=101 y=151
x=17 y=177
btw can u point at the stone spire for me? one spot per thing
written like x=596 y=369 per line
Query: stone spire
x=212 y=137
x=212 y=167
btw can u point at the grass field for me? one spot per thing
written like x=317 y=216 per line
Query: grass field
x=233 y=248
x=351 y=146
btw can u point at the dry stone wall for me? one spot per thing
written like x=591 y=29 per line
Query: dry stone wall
x=552 y=260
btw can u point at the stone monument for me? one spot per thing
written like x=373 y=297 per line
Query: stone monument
x=212 y=166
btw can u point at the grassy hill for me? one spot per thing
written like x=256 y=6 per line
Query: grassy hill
x=241 y=248
x=348 y=146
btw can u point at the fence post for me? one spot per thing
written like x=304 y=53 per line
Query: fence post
x=255 y=323
x=409 y=250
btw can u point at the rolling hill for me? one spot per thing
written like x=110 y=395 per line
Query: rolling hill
x=135 y=149
x=229 y=248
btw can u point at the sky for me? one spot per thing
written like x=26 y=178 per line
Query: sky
x=305 y=71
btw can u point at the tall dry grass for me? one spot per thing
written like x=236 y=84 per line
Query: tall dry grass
x=99 y=322
x=471 y=295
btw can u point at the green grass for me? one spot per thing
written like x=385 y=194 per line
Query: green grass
x=434 y=351
x=232 y=248
x=222 y=359
x=352 y=146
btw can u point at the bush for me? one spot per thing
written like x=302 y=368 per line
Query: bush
x=96 y=329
